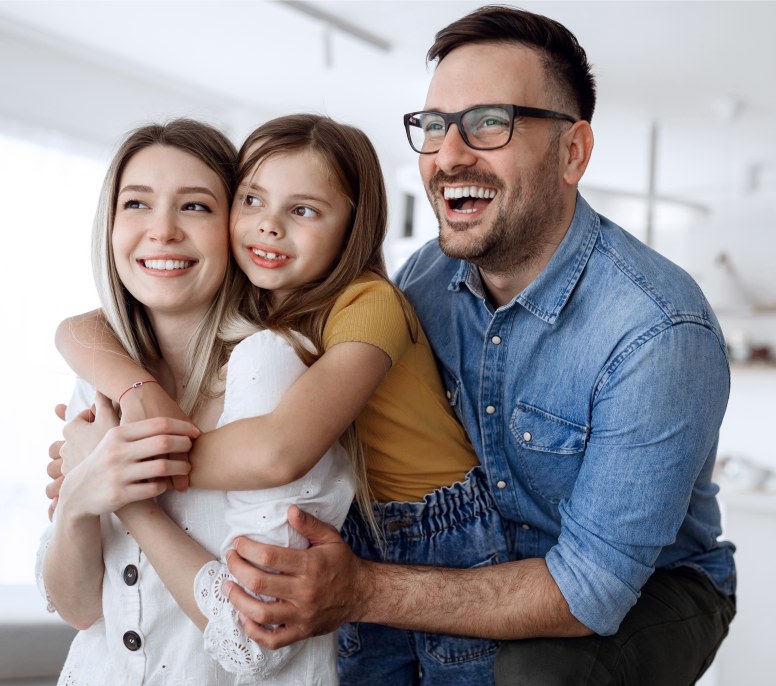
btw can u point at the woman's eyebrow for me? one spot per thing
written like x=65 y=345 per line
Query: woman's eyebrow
x=196 y=189
x=183 y=190
x=134 y=188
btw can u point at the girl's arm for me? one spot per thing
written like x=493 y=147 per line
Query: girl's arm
x=281 y=446
x=92 y=351
x=259 y=452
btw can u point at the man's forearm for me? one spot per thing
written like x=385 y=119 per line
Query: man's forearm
x=508 y=601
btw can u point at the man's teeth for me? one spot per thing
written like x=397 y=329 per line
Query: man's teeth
x=469 y=192
x=167 y=265
x=269 y=255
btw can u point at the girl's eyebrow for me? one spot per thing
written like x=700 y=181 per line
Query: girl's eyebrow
x=296 y=197
x=183 y=190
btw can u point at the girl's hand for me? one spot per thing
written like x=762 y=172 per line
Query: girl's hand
x=83 y=433
x=126 y=466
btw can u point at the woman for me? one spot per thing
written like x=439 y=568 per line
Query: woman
x=168 y=287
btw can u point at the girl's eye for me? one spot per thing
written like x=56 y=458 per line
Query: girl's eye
x=134 y=205
x=251 y=201
x=303 y=211
x=196 y=207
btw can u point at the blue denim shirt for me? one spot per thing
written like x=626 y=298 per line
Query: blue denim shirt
x=594 y=401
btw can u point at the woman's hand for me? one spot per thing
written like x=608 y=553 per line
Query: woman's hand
x=83 y=434
x=150 y=400
x=126 y=466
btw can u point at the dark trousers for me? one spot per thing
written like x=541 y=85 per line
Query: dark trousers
x=669 y=638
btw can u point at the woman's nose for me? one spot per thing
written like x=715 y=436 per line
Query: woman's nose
x=164 y=227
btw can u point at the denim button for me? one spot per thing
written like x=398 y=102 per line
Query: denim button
x=490 y=409
x=525 y=527
x=130 y=575
x=131 y=641
x=527 y=436
x=495 y=340
x=501 y=484
x=449 y=395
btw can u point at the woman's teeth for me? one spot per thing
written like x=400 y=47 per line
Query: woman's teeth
x=166 y=265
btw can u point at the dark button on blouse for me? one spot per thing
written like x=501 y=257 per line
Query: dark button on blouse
x=131 y=641
x=130 y=575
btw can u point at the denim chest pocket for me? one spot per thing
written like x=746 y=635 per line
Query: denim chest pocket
x=549 y=450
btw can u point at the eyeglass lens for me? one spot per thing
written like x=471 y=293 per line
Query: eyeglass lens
x=483 y=128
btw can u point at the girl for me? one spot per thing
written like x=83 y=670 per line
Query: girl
x=168 y=285
x=307 y=229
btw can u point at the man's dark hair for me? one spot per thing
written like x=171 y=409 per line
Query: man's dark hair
x=565 y=61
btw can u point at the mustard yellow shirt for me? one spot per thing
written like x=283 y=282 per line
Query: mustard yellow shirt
x=413 y=441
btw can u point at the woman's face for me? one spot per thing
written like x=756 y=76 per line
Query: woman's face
x=170 y=233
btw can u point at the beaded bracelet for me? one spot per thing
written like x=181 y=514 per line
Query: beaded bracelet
x=137 y=384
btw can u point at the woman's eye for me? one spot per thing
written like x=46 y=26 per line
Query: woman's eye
x=134 y=205
x=303 y=211
x=196 y=207
x=251 y=201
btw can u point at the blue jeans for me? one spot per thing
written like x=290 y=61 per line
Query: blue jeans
x=455 y=526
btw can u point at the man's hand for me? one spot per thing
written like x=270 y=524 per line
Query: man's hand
x=319 y=588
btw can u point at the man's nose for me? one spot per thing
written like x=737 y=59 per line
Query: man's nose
x=454 y=154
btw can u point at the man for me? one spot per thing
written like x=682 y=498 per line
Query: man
x=590 y=374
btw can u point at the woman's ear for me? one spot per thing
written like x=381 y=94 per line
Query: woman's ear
x=576 y=148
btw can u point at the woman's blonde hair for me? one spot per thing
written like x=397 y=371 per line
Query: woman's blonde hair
x=207 y=352
x=350 y=158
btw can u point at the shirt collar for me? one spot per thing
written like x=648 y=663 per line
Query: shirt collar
x=546 y=296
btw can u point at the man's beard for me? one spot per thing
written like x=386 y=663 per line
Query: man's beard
x=518 y=232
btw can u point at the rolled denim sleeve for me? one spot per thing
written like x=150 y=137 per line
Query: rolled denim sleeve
x=654 y=428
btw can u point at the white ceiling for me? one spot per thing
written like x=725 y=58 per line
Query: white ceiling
x=705 y=71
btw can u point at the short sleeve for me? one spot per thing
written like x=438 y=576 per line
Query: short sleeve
x=370 y=311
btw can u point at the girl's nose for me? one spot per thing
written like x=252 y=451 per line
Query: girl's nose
x=269 y=226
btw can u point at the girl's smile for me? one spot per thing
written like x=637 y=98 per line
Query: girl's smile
x=289 y=222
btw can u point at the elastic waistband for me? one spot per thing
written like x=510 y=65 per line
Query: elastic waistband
x=441 y=509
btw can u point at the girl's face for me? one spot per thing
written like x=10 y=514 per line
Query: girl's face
x=170 y=236
x=289 y=222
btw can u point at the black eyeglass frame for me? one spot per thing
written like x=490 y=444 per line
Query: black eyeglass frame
x=457 y=119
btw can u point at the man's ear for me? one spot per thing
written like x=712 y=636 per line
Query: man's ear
x=576 y=148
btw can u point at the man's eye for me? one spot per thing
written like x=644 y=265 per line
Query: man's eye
x=433 y=127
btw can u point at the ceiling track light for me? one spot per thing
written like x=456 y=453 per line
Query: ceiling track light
x=332 y=21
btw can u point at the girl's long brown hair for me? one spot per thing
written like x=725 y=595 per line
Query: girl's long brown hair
x=349 y=156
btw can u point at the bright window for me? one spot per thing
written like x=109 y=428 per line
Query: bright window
x=48 y=195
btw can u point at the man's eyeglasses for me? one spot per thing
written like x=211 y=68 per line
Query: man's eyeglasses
x=485 y=127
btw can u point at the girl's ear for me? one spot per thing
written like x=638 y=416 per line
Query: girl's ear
x=576 y=148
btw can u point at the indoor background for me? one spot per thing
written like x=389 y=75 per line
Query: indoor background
x=684 y=158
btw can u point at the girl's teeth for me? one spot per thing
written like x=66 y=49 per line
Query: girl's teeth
x=166 y=265
x=268 y=255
